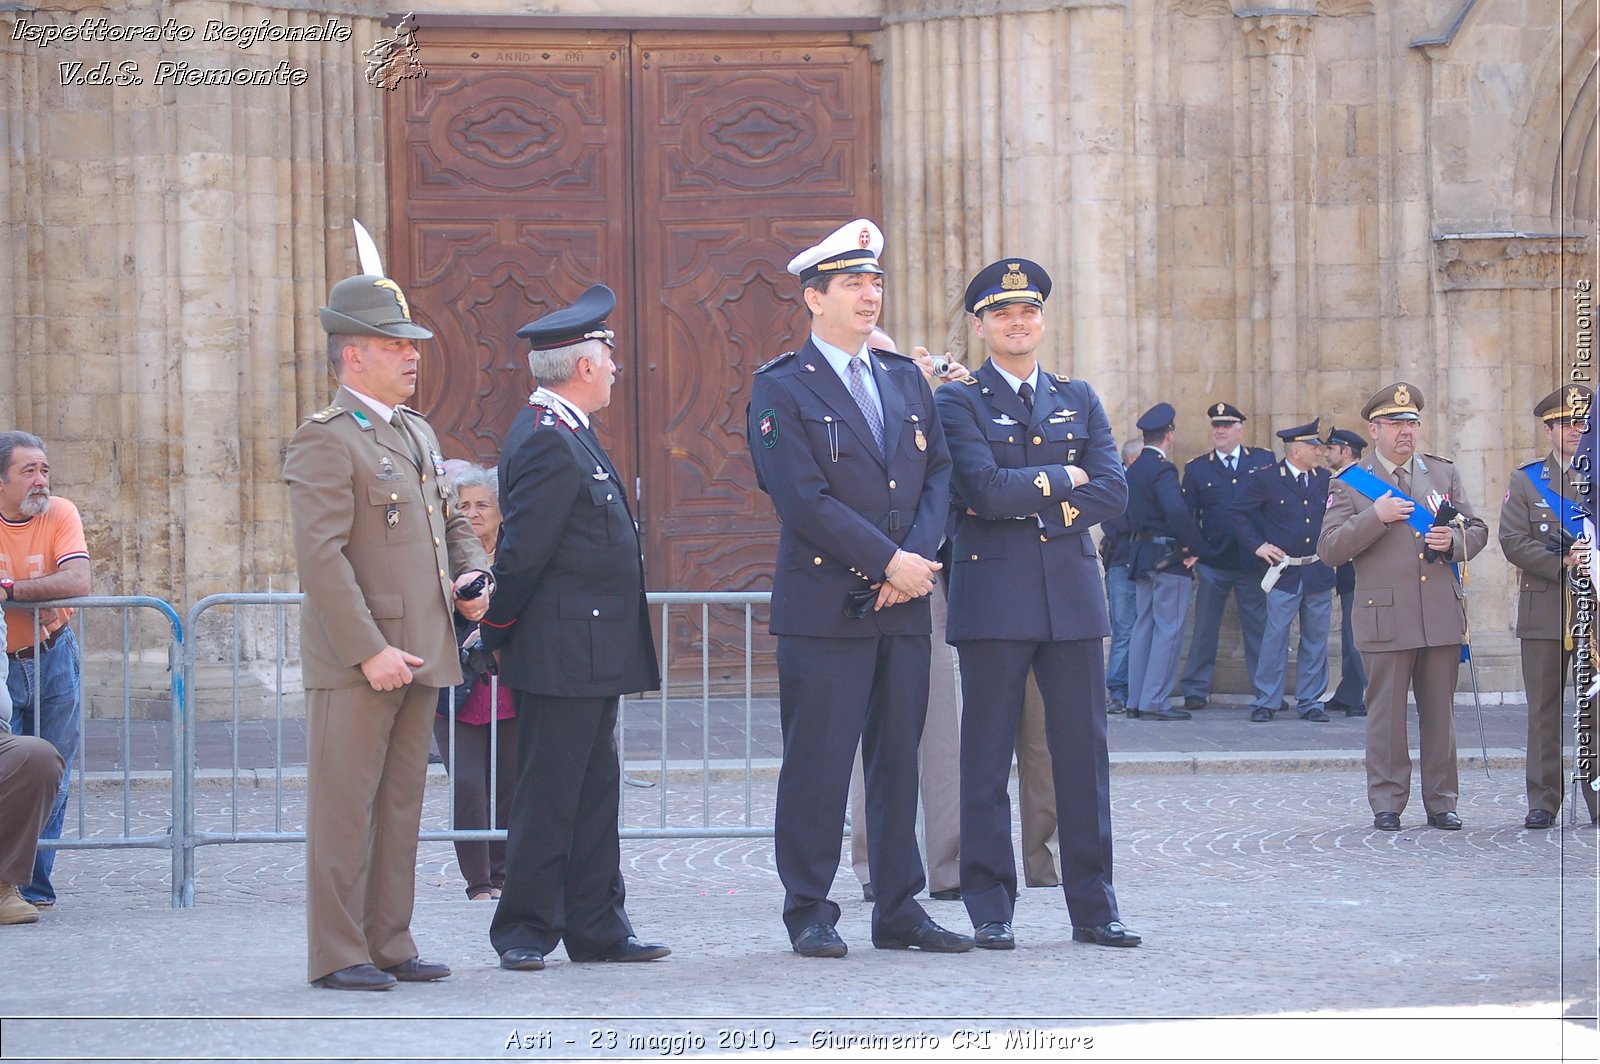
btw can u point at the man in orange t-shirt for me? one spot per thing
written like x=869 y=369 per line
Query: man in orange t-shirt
x=43 y=556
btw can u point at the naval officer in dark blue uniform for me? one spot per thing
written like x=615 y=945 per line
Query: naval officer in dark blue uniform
x=1035 y=467
x=1165 y=544
x=1277 y=516
x=845 y=440
x=1210 y=483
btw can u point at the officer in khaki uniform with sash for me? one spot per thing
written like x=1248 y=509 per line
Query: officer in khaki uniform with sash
x=1410 y=618
x=381 y=552
x=1540 y=524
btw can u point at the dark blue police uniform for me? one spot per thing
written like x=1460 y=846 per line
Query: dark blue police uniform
x=1351 y=694
x=1209 y=488
x=1284 y=507
x=1163 y=533
x=1026 y=592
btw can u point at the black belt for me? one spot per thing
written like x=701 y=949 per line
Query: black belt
x=26 y=653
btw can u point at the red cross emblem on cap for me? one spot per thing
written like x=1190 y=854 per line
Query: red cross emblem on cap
x=865 y=239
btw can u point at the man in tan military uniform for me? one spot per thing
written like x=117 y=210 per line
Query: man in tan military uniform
x=1540 y=503
x=1410 y=618
x=380 y=551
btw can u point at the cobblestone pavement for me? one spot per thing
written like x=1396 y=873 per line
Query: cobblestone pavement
x=1277 y=925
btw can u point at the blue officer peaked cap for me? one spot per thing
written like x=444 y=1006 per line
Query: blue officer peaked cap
x=1008 y=281
x=1158 y=417
x=584 y=320
x=1352 y=440
x=1301 y=433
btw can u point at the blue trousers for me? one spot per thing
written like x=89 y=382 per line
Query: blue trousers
x=1123 y=599
x=1157 y=640
x=1311 y=668
x=1212 y=587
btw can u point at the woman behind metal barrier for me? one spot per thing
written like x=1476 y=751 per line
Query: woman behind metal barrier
x=477 y=736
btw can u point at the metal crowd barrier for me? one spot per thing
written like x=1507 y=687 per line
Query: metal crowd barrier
x=124 y=836
x=665 y=769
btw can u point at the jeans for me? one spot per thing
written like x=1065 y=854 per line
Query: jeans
x=1122 y=597
x=55 y=678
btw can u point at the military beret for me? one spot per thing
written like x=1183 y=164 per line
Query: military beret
x=1157 y=418
x=1301 y=433
x=852 y=248
x=1567 y=403
x=584 y=320
x=1220 y=413
x=370 y=305
x=1394 y=402
x=1007 y=281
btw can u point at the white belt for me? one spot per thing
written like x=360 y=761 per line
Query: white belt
x=1270 y=580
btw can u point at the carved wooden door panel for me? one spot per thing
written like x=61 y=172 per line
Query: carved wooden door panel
x=751 y=148
x=509 y=163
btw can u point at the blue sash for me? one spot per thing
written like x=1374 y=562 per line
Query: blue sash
x=1370 y=486
x=1570 y=513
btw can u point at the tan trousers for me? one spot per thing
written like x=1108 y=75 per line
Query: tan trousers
x=1545 y=664
x=367 y=763
x=30 y=773
x=1036 y=788
x=1431 y=673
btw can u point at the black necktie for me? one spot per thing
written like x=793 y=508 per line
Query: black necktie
x=1228 y=461
x=1025 y=393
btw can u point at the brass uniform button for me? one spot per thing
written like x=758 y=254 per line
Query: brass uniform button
x=891 y=485
x=816 y=561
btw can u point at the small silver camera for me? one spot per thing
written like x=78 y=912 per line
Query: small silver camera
x=941 y=365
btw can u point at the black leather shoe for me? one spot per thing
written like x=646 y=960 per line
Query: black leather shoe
x=522 y=959
x=820 y=940
x=1447 y=821
x=1355 y=711
x=994 y=935
x=1164 y=713
x=1315 y=713
x=631 y=949
x=1116 y=707
x=417 y=970
x=867 y=893
x=953 y=894
x=1112 y=934
x=1260 y=715
x=1193 y=702
x=1386 y=821
x=1539 y=819
x=928 y=937
x=356 y=977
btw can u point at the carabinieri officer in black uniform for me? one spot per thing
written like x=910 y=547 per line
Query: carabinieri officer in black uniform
x=1035 y=467
x=571 y=628
x=845 y=441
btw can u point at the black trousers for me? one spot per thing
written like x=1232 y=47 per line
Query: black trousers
x=1071 y=678
x=563 y=857
x=832 y=694
x=483 y=864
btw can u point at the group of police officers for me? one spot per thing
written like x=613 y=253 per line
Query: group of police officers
x=883 y=487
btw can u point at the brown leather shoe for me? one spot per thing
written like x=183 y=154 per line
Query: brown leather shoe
x=356 y=977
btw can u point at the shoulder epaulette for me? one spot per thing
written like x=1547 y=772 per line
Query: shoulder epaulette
x=968 y=379
x=1438 y=458
x=326 y=415
x=780 y=360
x=893 y=354
x=1529 y=467
x=1062 y=378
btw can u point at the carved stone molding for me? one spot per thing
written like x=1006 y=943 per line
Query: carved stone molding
x=1501 y=261
x=1202 y=8
x=1277 y=32
x=1344 y=8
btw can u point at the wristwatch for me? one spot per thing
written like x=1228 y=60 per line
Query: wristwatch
x=7 y=585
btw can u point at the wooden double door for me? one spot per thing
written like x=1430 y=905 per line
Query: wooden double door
x=683 y=170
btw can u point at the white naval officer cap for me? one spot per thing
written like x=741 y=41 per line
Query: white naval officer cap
x=852 y=248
